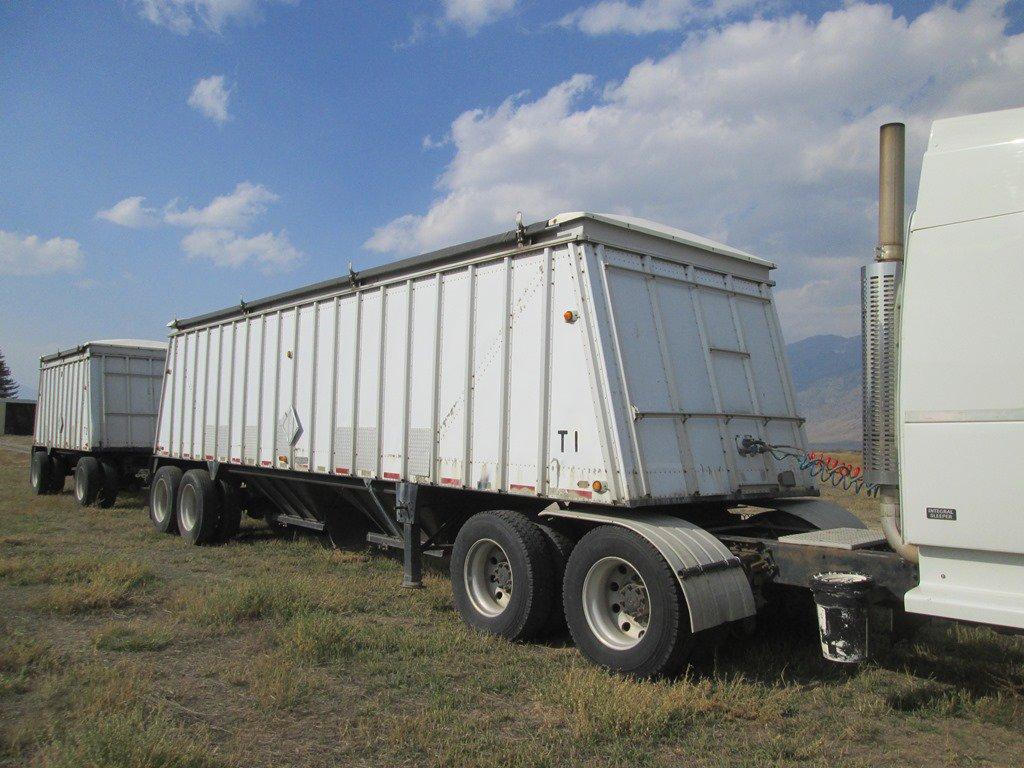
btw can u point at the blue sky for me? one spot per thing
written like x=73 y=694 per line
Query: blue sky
x=161 y=158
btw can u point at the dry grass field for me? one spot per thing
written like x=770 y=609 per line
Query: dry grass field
x=123 y=647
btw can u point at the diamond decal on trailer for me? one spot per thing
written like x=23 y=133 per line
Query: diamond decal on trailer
x=288 y=429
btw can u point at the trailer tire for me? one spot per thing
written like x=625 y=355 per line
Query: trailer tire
x=110 y=484
x=58 y=471
x=87 y=480
x=559 y=549
x=230 y=510
x=624 y=606
x=40 y=469
x=198 y=507
x=507 y=550
x=163 y=499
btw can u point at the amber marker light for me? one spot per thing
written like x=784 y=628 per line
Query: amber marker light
x=598 y=486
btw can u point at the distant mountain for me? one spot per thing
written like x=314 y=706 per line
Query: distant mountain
x=827 y=378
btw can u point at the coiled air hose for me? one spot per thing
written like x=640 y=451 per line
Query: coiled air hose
x=827 y=469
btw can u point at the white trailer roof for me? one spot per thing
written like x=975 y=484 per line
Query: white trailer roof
x=661 y=230
x=531 y=233
x=127 y=344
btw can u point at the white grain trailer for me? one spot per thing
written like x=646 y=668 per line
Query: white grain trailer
x=593 y=417
x=96 y=417
x=574 y=367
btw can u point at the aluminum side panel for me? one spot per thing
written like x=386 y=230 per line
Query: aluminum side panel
x=237 y=398
x=395 y=379
x=369 y=381
x=322 y=384
x=452 y=385
x=488 y=375
x=528 y=366
x=346 y=376
x=421 y=408
x=575 y=455
x=303 y=402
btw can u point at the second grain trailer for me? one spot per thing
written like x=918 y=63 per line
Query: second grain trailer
x=495 y=401
x=96 y=417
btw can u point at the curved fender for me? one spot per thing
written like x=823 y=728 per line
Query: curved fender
x=822 y=514
x=711 y=577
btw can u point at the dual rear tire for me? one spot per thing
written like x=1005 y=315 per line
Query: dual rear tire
x=502 y=575
x=46 y=473
x=194 y=505
x=96 y=482
x=621 y=601
x=624 y=606
x=41 y=472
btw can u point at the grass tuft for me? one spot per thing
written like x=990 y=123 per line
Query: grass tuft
x=317 y=639
x=130 y=739
x=129 y=638
x=104 y=586
x=245 y=601
x=598 y=706
x=20 y=658
x=275 y=681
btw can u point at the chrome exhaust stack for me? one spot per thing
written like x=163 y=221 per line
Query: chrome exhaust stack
x=880 y=334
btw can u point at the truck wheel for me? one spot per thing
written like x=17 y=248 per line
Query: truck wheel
x=110 y=484
x=40 y=469
x=198 y=507
x=230 y=510
x=58 y=471
x=624 y=606
x=559 y=549
x=163 y=497
x=87 y=480
x=502 y=578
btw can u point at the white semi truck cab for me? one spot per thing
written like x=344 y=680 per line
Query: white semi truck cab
x=960 y=389
x=943 y=355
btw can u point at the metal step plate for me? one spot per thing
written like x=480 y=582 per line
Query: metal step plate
x=837 y=538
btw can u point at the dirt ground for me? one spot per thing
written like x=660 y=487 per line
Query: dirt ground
x=123 y=647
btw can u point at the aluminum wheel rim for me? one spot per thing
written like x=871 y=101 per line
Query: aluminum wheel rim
x=187 y=503
x=161 y=501
x=488 y=577
x=616 y=603
x=79 y=486
x=35 y=475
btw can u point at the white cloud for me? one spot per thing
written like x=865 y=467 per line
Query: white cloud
x=29 y=255
x=429 y=142
x=217 y=229
x=271 y=252
x=182 y=16
x=236 y=210
x=473 y=14
x=609 y=16
x=210 y=97
x=130 y=212
x=761 y=133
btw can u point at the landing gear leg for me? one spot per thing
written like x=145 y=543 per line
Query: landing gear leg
x=407 y=513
